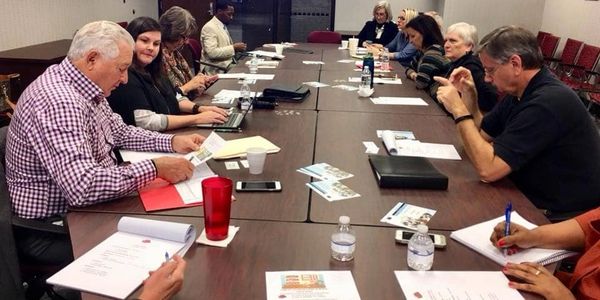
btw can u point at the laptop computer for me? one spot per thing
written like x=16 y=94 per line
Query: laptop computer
x=233 y=122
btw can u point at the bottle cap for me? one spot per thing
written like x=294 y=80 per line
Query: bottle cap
x=422 y=228
x=346 y=220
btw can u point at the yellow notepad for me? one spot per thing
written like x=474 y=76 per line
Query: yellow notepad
x=237 y=148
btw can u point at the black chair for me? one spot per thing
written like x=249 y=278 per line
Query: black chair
x=18 y=271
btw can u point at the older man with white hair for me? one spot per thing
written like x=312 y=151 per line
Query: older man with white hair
x=60 y=142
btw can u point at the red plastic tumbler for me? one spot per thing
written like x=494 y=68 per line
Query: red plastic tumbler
x=216 y=192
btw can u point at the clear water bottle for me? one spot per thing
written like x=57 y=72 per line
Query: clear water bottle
x=420 y=250
x=245 y=96
x=365 y=78
x=385 y=59
x=343 y=241
x=253 y=64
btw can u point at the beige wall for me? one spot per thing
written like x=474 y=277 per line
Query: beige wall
x=577 y=19
x=28 y=22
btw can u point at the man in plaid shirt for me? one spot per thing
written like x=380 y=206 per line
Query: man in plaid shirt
x=61 y=139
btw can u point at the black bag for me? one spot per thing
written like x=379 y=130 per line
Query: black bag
x=286 y=92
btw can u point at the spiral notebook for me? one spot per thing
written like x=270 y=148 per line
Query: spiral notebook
x=477 y=237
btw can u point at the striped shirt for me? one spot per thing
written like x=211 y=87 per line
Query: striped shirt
x=430 y=63
x=60 y=143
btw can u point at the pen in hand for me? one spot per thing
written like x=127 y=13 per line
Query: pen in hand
x=166 y=256
x=507 y=223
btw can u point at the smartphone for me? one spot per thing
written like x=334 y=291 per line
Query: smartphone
x=402 y=236
x=258 y=186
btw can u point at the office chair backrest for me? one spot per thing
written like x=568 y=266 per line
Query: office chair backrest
x=541 y=35
x=549 y=45
x=570 y=51
x=587 y=60
x=11 y=286
x=329 y=37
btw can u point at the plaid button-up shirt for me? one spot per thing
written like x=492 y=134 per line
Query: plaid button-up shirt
x=60 y=142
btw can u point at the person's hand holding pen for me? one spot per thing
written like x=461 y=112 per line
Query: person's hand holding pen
x=507 y=213
x=518 y=238
x=166 y=281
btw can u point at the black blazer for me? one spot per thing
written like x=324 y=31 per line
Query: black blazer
x=368 y=33
x=140 y=92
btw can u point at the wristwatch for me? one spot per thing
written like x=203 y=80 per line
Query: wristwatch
x=196 y=108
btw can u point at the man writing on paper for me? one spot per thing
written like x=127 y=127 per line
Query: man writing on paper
x=540 y=134
x=60 y=142
x=217 y=46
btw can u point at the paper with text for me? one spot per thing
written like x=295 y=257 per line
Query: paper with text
x=119 y=264
x=429 y=150
x=332 y=190
x=325 y=171
x=314 y=285
x=399 y=101
x=408 y=215
x=212 y=144
x=442 y=285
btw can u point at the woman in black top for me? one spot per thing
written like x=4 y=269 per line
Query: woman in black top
x=459 y=44
x=148 y=99
x=380 y=30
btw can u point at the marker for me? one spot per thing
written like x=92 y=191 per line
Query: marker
x=507 y=222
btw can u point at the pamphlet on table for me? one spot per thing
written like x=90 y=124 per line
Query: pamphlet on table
x=314 y=285
x=455 y=285
x=325 y=171
x=408 y=215
x=332 y=190
x=477 y=237
x=119 y=264
x=212 y=144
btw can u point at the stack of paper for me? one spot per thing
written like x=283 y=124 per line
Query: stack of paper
x=411 y=147
x=477 y=237
x=408 y=215
x=238 y=147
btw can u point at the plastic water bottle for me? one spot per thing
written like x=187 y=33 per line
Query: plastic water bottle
x=245 y=95
x=365 y=78
x=343 y=241
x=420 y=250
x=253 y=65
x=385 y=59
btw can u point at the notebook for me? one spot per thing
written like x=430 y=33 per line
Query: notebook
x=233 y=122
x=477 y=237
x=238 y=147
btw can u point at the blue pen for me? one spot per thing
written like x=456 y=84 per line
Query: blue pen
x=507 y=222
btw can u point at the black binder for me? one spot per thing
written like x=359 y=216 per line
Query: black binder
x=286 y=92
x=407 y=172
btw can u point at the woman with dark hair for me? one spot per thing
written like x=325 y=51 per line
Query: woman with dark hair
x=148 y=99
x=177 y=24
x=424 y=33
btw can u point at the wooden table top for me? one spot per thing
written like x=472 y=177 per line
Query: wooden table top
x=293 y=133
x=466 y=201
x=50 y=52
x=238 y=271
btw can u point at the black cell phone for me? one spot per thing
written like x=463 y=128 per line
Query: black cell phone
x=258 y=186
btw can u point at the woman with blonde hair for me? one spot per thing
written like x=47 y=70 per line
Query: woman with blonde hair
x=400 y=47
x=380 y=30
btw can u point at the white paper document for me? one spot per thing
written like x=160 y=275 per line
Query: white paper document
x=312 y=62
x=246 y=76
x=477 y=237
x=315 y=84
x=265 y=64
x=429 y=150
x=346 y=61
x=212 y=144
x=399 y=101
x=266 y=54
x=408 y=215
x=119 y=264
x=378 y=80
x=325 y=171
x=455 y=285
x=188 y=190
x=371 y=147
x=313 y=285
x=228 y=97
x=345 y=87
x=390 y=139
x=398 y=134
x=332 y=190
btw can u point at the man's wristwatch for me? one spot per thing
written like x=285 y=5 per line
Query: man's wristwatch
x=196 y=108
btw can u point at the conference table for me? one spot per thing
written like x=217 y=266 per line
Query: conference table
x=291 y=230
x=238 y=271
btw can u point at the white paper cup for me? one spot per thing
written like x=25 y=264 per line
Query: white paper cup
x=256 y=159
x=279 y=49
x=352 y=45
x=345 y=44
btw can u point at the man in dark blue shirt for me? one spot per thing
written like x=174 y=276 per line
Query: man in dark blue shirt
x=540 y=135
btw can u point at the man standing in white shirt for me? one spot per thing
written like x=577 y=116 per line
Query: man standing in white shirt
x=217 y=47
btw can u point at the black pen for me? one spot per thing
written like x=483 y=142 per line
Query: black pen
x=228 y=130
